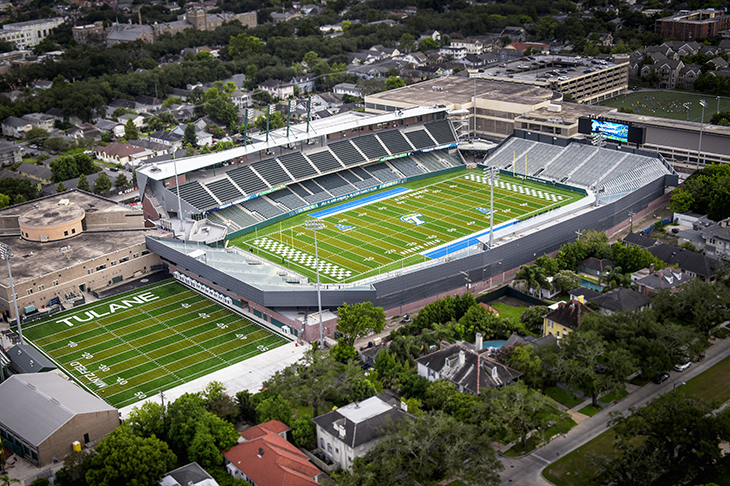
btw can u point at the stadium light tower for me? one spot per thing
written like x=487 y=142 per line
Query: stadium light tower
x=314 y=225
x=702 y=125
x=6 y=253
x=493 y=174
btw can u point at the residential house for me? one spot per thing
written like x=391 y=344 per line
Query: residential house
x=347 y=89
x=120 y=103
x=277 y=89
x=188 y=475
x=55 y=113
x=453 y=52
x=539 y=47
x=564 y=318
x=719 y=63
x=666 y=279
x=472 y=371
x=351 y=431
x=40 y=120
x=70 y=184
x=621 y=300
x=43 y=414
x=643 y=241
x=137 y=120
x=172 y=139
x=533 y=341
x=433 y=34
x=416 y=59
x=717 y=239
x=474 y=47
x=113 y=128
x=279 y=17
x=266 y=458
x=16 y=127
x=327 y=101
x=687 y=261
x=516 y=34
x=37 y=173
x=119 y=153
x=86 y=130
x=241 y=99
x=583 y=294
x=147 y=103
x=473 y=61
x=305 y=84
x=688 y=75
x=385 y=52
x=595 y=266
x=10 y=153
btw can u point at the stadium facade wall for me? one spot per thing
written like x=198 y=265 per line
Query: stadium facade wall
x=413 y=290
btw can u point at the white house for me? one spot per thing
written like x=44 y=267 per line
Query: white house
x=351 y=431
x=472 y=46
x=241 y=99
x=454 y=52
x=347 y=89
x=277 y=89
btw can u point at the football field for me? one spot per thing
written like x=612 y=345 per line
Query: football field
x=137 y=344
x=400 y=226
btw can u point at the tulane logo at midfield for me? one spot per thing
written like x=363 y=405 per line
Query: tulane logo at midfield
x=413 y=218
x=344 y=227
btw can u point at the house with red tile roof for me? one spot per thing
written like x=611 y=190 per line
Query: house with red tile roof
x=266 y=458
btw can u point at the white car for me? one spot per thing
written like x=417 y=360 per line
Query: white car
x=682 y=366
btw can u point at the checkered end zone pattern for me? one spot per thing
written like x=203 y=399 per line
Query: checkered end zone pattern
x=516 y=188
x=301 y=258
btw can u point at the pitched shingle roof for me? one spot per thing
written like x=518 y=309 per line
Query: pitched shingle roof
x=568 y=314
x=622 y=300
x=639 y=240
x=686 y=260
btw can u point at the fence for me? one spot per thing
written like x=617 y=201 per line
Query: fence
x=508 y=291
x=651 y=228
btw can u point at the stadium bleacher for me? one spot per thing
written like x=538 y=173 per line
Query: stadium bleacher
x=367 y=179
x=346 y=152
x=430 y=161
x=324 y=161
x=224 y=190
x=300 y=191
x=214 y=217
x=567 y=160
x=245 y=178
x=407 y=166
x=382 y=172
x=263 y=207
x=271 y=171
x=287 y=198
x=451 y=160
x=196 y=195
x=297 y=165
x=318 y=193
x=238 y=216
x=370 y=146
x=512 y=150
x=335 y=185
x=420 y=139
x=395 y=142
x=441 y=131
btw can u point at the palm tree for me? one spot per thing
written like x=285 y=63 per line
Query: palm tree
x=6 y=480
x=533 y=278
x=613 y=277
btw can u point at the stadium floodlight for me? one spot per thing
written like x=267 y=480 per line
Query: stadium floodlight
x=703 y=103
x=6 y=254
x=493 y=174
x=314 y=225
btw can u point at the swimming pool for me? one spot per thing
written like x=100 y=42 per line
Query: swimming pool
x=591 y=285
x=493 y=344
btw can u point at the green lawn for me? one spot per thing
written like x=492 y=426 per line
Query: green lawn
x=712 y=384
x=721 y=333
x=562 y=427
x=507 y=310
x=669 y=104
x=141 y=342
x=563 y=396
x=573 y=469
x=402 y=229
x=617 y=395
x=590 y=410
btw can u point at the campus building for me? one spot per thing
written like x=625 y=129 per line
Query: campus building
x=691 y=25
x=67 y=244
x=30 y=33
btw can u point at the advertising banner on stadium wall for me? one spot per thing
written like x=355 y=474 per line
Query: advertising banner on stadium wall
x=205 y=290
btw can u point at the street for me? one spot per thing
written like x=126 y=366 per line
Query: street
x=527 y=470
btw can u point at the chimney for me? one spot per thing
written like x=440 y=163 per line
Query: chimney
x=479 y=342
x=261 y=452
x=462 y=357
x=581 y=299
x=341 y=430
x=139 y=12
x=651 y=268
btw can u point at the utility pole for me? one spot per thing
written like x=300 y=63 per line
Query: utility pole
x=314 y=225
x=702 y=125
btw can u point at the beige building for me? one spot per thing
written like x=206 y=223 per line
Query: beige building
x=89 y=34
x=43 y=414
x=66 y=244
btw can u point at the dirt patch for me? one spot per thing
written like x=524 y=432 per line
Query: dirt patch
x=512 y=302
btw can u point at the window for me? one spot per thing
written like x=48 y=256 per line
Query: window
x=329 y=448
x=73 y=231
x=337 y=451
x=29 y=291
x=125 y=259
x=41 y=287
x=65 y=233
x=145 y=252
x=114 y=263
x=90 y=271
x=100 y=267
x=136 y=255
x=321 y=443
x=55 y=283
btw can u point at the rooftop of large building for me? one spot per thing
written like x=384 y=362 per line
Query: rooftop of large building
x=546 y=69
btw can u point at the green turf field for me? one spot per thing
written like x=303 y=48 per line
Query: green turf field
x=134 y=345
x=385 y=235
x=669 y=104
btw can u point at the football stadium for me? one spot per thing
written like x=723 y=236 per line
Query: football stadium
x=403 y=218
x=131 y=347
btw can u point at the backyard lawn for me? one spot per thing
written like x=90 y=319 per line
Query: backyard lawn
x=590 y=410
x=562 y=396
x=573 y=469
x=507 y=310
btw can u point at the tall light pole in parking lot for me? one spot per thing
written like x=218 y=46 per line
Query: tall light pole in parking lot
x=702 y=125
x=6 y=253
x=314 y=225
x=493 y=174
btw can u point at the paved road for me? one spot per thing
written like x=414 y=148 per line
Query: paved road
x=528 y=470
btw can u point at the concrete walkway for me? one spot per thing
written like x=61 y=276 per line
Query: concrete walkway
x=527 y=470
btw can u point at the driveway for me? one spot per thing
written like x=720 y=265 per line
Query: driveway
x=528 y=469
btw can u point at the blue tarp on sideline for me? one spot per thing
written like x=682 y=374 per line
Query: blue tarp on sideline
x=463 y=244
x=358 y=202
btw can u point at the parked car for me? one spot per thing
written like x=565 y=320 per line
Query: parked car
x=661 y=378
x=683 y=365
x=675 y=230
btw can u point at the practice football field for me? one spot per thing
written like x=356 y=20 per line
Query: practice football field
x=402 y=229
x=675 y=105
x=134 y=345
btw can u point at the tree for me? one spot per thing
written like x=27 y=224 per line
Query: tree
x=343 y=352
x=532 y=318
x=4 y=200
x=533 y=278
x=189 y=137
x=524 y=359
x=359 y=320
x=246 y=406
x=703 y=305
x=304 y=433
x=566 y=280
x=276 y=120
x=130 y=130
x=242 y=43
x=36 y=135
x=394 y=82
x=121 y=181
x=550 y=266
x=83 y=184
x=218 y=402
x=427 y=44
x=148 y=420
x=102 y=184
x=406 y=453
x=274 y=408
x=124 y=458
x=479 y=319
x=67 y=167
x=56 y=144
